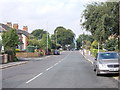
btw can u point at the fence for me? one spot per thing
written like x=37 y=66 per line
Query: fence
x=28 y=54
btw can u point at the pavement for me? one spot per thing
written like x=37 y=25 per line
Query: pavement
x=22 y=61
x=91 y=59
x=11 y=64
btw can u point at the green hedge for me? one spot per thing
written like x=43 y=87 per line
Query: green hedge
x=94 y=51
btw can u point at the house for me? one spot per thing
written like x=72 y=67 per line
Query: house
x=23 y=34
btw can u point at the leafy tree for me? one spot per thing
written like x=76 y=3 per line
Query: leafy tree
x=44 y=42
x=79 y=43
x=111 y=45
x=10 y=40
x=34 y=42
x=101 y=19
x=84 y=40
x=94 y=44
x=38 y=33
x=64 y=36
x=0 y=44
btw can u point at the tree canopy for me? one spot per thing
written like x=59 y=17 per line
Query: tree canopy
x=64 y=36
x=10 y=40
x=84 y=40
x=101 y=19
x=38 y=33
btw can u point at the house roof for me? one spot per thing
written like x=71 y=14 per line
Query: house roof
x=4 y=27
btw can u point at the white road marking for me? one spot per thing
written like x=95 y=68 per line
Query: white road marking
x=49 y=68
x=55 y=64
x=59 y=61
x=34 y=78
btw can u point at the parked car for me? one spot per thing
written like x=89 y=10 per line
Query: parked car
x=56 y=52
x=106 y=63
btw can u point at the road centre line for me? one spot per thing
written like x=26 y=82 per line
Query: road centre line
x=55 y=64
x=47 y=69
x=34 y=78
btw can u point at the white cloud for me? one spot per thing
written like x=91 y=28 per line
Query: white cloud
x=36 y=13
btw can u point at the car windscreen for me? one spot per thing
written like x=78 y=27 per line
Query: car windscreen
x=108 y=56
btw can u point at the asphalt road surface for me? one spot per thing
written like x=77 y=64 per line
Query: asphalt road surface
x=68 y=70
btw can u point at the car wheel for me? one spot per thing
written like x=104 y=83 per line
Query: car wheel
x=94 y=69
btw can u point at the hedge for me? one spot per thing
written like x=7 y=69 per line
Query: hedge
x=94 y=51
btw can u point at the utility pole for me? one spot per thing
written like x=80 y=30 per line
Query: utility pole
x=47 y=42
x=56 y=39
x=83 y=43
x=47 y=38
x=119 y=42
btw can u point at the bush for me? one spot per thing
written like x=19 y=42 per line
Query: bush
x=15 y=59
x=17 y=50
x=41 y=53
x=94 y=51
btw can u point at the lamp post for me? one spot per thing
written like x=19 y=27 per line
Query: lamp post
x=47 y=43
x=47 y=38
x=56 y=39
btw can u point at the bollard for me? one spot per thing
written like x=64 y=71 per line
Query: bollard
x=1 y=59
x=5 y=58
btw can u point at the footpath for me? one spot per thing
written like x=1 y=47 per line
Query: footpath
x=22 y=61
x=10 y=64
x=91 y=59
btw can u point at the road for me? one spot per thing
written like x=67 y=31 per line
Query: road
x=68 y=70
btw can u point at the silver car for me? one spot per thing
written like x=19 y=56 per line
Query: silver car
x=106 y=63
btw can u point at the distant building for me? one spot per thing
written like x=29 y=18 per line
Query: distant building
x=23 y=34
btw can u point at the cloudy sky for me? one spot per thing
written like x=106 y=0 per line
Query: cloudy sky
x=44 y=14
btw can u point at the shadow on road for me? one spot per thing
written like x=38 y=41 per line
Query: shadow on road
x=109 y=75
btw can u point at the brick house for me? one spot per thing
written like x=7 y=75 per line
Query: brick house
x=23 y=34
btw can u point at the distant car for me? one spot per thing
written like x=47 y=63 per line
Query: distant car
x=56 y=52
x=106 y=63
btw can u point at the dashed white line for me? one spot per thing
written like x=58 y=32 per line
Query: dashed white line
x=59 y=61
x=46 y=69
x=55 y=64
x=34 y=78
x=49 y=68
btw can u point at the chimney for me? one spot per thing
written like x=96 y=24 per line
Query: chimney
x=25 y=28
x=15 y=26
x=9 y=24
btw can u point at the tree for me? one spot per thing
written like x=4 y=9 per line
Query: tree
x=10 y=40
x=64 y=36
x=44 y=42
x=38 y=33
x=101 y=19
x=0 y=44
x=34 y=42
x=111 y=45
x=84 y=40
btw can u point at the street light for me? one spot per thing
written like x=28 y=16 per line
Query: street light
x=56 y=38
x=47 y=43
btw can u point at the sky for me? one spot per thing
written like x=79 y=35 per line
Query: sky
x=44 y=14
